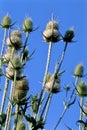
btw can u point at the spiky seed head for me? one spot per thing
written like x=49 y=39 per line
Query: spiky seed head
x=16 y=33
x=16 y=62
x=79 y=70
x=6 y=22
x=14 y=41
x=27 y=25
x=21 y=88
x=69 y=34
x=56 y=87
x=52 y=25
x=82 y=89
x=51 y=35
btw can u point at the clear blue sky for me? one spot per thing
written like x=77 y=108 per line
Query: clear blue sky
x=68 y=13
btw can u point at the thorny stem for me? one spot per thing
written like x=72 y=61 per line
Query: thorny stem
x=64 y=111
x=4 y=95
x=62 y=57
x=62 y=115
x=25 y=44
x=44 y=79
x=16 y=116
x=5 y=87
x=4 y=40
x=47 y=106
x=10 y=105
x=57 y=68
x=7 y=122
x=11 y=99
x=81 y=113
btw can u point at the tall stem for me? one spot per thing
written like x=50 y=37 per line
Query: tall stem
x=4 y=95
x=4 y=40
x=47 y=106
x=81 y=113
x=64 y=111
x=62 y=57
x=44 y=79
x=25 y=44
x=16 y=117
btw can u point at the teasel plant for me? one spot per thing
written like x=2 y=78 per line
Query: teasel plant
x=81 y=89
x=33 y=110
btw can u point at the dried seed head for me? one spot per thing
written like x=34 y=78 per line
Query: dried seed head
x=82 y=89
x=6 y=22
x=52 y=25
x=69 y=34
x=20 y=125
x=27 y=25
x=10 y=72
x=7 y=56
x=16 y=33
x=56 y=87
x=79 y=70
x=51 y=35
x=14 y=41
x=21 y=88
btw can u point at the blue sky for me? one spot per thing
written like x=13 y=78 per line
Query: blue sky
x=68 y=13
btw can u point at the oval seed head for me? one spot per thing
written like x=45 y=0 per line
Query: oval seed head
x=10 y=72
x=82 y=89
x=16 y=62
x=20 y=125
x=21 y=88
x=6 y=22
x=27 y=25
x=79 y=70
x=7 y=56
x=51 y=36
x=16 y=33
x=52 y=25
x=56 y=87
x=69 y=34
x=14 y=41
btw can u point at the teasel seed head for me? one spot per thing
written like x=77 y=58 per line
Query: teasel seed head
x=6 y=22
x=27 y=25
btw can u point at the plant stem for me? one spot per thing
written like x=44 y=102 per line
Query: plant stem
x=62 y=57
x=81 y=113
x=10 y=104
x=65 y=109
x=44 y=79
x=25 y=44
x=3 y=43
x=47 y=106
x=16 y=117
x=4 y=95
x=63 y=113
